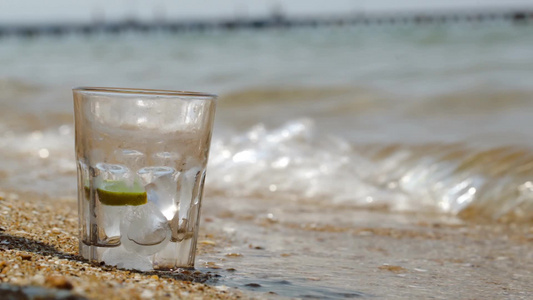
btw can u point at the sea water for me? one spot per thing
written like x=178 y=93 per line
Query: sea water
x=427 y=119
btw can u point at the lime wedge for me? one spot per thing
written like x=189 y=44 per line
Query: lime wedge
x=117 y=193
x=86 y=189
x=87 y=192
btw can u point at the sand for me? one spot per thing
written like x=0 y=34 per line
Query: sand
x=356 y=253
x=39 y=247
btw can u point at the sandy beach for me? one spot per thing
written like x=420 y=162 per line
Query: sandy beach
x=39 y=247
x=392 y=256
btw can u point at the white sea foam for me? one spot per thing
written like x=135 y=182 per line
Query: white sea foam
x=293 y=162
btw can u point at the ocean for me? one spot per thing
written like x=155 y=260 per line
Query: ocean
x=314 y=126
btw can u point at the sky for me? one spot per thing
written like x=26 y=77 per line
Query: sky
x=84 y=11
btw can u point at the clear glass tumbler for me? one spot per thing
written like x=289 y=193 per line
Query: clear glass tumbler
x=141 y=157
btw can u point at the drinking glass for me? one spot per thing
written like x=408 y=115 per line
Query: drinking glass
x=141 y=158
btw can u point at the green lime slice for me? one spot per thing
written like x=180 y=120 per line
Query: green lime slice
x=86 y=189
x=117 y=193
x=87 y=192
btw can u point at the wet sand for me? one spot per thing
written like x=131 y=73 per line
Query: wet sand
x=309 y=249
x=250 y=250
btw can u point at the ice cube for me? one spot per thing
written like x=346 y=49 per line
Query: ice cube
x=113 y=172
x=163 y=197
x=190 y=182
x=161 y=188
x=151 y=174
x=190 y=187
x=108 y=217
x=144 y=229
x=133 y=158
x=121 y=258
x=167 y=158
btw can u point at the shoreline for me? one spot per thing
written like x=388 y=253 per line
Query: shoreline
x=374 y=253
x=332 y=253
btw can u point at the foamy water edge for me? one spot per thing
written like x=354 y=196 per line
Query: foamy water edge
x=292 y=162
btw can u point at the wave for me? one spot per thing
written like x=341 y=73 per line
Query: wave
x=493 y=184
x=295 y=163
x=481 y=101
x=334 y=97
x=503 y=109
x=298 y=162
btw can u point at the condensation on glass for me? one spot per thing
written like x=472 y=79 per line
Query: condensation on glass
x=141 y=158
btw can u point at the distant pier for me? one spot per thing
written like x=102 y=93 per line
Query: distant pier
x=275 y=21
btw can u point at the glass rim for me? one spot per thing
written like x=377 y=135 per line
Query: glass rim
x=138 y=91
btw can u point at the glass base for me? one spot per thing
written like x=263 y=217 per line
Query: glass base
x=173 y=256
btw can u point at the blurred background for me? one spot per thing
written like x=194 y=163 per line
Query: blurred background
x=404 y=105
x=62 y=11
